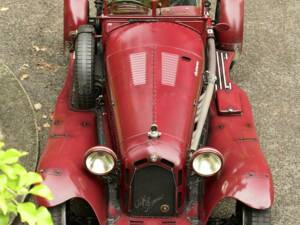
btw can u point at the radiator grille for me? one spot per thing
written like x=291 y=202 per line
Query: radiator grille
x=153 y=192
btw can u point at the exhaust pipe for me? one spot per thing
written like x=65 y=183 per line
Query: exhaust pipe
x=205 y=99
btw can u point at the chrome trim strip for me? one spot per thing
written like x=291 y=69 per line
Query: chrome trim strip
x=219 y=71
x=226 y=85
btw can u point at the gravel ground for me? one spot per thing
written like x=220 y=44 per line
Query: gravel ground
x=31 y=43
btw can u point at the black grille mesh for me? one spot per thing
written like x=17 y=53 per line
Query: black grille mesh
x=153 y=191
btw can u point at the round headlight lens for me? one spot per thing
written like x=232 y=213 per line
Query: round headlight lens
x=100 y=162
x=207 y=163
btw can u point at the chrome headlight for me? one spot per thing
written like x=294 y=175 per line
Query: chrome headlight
x=207 y=161
x=100 y=160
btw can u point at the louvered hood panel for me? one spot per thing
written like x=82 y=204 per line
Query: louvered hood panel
x=154 y=75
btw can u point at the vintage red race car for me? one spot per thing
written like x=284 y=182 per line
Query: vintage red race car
x=149 y=129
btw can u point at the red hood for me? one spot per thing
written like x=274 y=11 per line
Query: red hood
x=154 y=76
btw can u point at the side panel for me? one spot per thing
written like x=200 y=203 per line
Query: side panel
x=61 y=164
x=76 y=13
x=245 y=175
x=230 y=12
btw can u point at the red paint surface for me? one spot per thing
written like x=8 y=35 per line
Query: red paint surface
x=132 y=109
x=76 y=13
x=231 y=12
x=245 y=175
x=137 y=107
x=61 y=164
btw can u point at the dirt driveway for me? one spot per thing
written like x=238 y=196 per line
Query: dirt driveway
x=31 y=48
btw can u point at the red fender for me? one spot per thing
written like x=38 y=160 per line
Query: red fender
x=245 y=176
x=76 y=13
x=230 y=12
x=61 y=164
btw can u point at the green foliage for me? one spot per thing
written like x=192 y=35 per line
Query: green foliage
x=15 y=182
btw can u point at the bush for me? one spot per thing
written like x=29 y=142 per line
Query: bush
x=16 y=182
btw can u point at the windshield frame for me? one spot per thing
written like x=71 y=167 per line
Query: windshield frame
x=155 y=11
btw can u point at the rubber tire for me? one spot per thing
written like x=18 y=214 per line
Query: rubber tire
x=84 y=96
x=59 y=214
x=249 y=216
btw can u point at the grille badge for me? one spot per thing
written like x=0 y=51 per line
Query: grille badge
x=154 y=157
x=164 y=208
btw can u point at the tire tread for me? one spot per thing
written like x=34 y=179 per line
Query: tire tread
x=84 y=69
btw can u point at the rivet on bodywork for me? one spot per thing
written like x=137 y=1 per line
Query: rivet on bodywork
x=220 y=126
x=57 y=122
x=84 y=124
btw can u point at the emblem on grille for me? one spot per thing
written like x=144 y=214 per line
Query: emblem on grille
x=164 y=208
x=154 y=157
x=146 y=203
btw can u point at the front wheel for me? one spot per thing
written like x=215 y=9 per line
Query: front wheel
x=73 y=212
x=84 y=94
x=249 y=216
x=59 y=214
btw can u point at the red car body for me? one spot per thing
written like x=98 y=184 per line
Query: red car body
x=143 y=89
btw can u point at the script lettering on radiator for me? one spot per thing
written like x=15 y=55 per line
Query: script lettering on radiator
x=146 y=203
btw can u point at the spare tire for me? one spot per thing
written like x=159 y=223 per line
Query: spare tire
x=83 y=97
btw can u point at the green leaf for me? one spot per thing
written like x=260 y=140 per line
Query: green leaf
x=21 y=173
x=42 y=191
x=7 y=195
x=3 y=205
x=27 y=212
x=13 y=184
x=19 y=169
x=22 y=191
x=43 y=216
x=9 y=171
x=29 y=179
x=33 y=178
x=11 y=156
x=12 y=208
x=4 y=219
x=3 y=182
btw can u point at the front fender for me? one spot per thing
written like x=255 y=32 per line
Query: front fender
x=61 y=164
x=76 y=13
x=245 y=176
x=230 y=12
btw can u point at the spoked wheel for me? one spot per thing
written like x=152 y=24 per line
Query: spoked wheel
x=249 y=216
x=83 y=96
